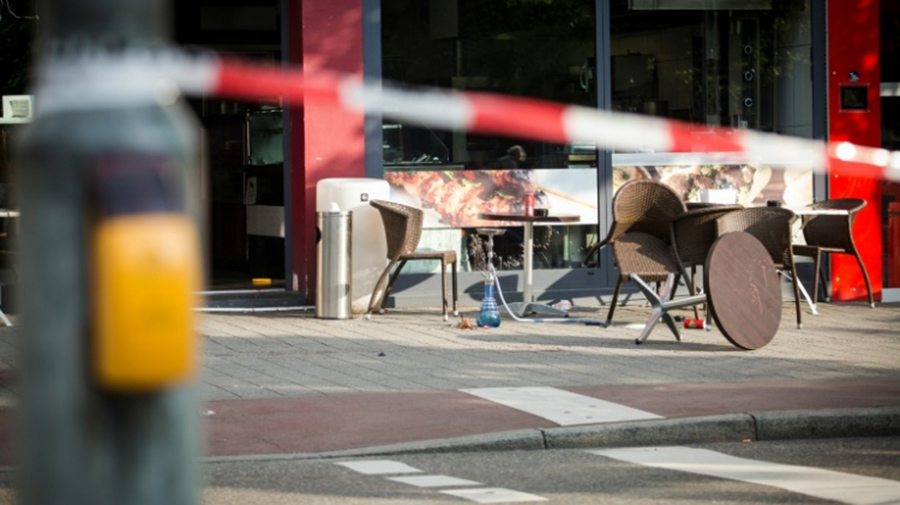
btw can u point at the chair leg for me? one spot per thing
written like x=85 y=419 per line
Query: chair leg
x=590 y=253
x=615 y=299
x=692 y=289
x=862 y=267
x=375 y=302
x=816 y=261
x=672 y=285
x=455 y=290
x=796 y=283
x=444 y=304
x=390 y=285
x=691 y=282
x=826 y=283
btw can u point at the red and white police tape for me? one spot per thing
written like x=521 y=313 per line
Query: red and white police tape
x=121 y=78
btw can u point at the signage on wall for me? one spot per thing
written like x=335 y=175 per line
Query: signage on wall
x=854 y=98
x=17 y=109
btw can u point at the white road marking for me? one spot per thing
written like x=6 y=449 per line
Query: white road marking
x=826 y=484
x=434 y=481
x=494 y=495
x=562 y=407
x=479 y=495
x=379 y=467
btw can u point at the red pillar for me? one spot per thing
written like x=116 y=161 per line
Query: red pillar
x=325 y=141
x=854 y=60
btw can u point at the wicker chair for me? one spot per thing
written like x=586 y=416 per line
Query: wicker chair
x=772 y=227
x=832 y=234
x=403 y=228
x=640 y=234
x=693 y=234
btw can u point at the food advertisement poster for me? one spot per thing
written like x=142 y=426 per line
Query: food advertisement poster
x=455 y=198
x=754 y=184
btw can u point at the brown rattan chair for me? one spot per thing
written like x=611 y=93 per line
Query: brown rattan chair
x=693 y=234
x=403 y=228
x=832 y=234
x=772 y=227
x=640 y=234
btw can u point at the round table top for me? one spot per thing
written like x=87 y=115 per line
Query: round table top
x=522 y=218
x=743 y=289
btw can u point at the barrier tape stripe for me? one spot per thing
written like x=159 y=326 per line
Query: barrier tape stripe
x=546 y=121
x=208 y=74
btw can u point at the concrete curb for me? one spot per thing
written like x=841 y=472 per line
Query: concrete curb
x=518 y=440
x=828 y=423
x=761 y=426
x=690 y=430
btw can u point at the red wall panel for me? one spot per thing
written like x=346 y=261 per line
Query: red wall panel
x=326 y=140
x=853 y=47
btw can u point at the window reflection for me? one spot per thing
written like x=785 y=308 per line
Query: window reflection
x=732 y=63
x=739 y=64
x=532 y=48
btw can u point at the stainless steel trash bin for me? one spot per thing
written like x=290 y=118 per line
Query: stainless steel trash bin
x=333 y=264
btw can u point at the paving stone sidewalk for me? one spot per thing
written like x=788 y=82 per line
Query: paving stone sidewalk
x=286 y=382
x=289 y=354
x=294 y=354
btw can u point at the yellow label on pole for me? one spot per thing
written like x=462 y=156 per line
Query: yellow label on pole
x=146 y=275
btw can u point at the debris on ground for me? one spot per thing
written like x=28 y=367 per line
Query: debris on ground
x=466 y=324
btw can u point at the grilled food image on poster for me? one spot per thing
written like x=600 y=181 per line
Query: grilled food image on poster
x=459 y=196
x=688 y=181
x=455 y=198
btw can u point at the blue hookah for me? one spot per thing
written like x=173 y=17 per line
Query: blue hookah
x=489 y=316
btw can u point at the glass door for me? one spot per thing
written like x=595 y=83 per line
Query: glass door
x=890 y=194
x=890 y=139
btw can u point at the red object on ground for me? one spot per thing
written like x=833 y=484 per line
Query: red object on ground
x=695 y=323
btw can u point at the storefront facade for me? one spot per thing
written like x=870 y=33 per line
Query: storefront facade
x=757 y=64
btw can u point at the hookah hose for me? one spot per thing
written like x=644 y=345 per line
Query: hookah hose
x=594 y=322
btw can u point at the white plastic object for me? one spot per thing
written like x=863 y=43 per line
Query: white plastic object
x=369 y=245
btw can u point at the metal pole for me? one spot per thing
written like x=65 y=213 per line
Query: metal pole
x=77 y=442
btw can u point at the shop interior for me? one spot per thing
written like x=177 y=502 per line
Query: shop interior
x=243 y=187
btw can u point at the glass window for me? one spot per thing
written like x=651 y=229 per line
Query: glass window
x=530 y=48
x=890 y=139
x=725 y=63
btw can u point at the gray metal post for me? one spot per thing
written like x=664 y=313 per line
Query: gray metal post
x=79 y=444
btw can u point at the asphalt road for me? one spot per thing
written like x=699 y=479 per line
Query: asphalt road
x=572 y=477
